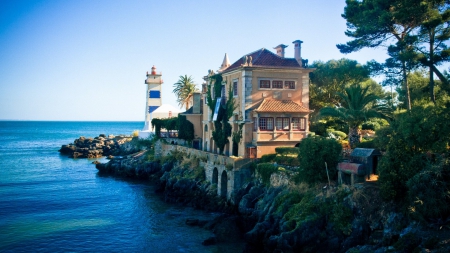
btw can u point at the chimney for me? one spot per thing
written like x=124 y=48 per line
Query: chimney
x=196 y=103
x=298 y=51
x=280 y=50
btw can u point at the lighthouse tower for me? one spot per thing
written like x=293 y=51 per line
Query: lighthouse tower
x=153 y=82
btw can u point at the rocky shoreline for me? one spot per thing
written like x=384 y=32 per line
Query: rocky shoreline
x=98 y=146
x=342 y=219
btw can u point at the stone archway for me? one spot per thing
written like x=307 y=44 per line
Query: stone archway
x=215 y=176
x=224 y=184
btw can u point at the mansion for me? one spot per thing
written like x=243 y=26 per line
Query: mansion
x=271 y=94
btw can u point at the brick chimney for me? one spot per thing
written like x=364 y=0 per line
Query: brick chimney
x=298 y=51
x=280 y=50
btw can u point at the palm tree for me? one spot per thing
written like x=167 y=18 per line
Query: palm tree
x=184 y=90
x=357 y=107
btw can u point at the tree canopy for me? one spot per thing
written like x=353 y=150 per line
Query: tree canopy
x=184 y=90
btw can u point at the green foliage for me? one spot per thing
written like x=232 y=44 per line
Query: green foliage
x=268 y=158
x=286 y=150
x=429 y=192
x=185 y=128
x=370 y=125
x=174 y=157
x=184 y=90
x=357 y=107
x=287 y=160
x=314 y=152
x=332 y=77
x=222 y=129
x=338 y=135
x=236 y=138
x=366 y=144
x=265 y=170
x=407 y=141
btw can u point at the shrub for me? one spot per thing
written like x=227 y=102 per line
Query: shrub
x=265 y=170
x=366 y=144
x=428 y=192
x=314 y=152
x=370 y=125
x=287 y=160
x=269 y=158
x=411 y=136
x=339 y=134
x=287 y=150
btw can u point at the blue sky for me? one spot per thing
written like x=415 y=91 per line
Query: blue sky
x=87 y=59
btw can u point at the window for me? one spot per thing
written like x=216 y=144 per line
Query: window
x=299 y=124
x=265 y=84
x=282 y=124
x=235 y=87
x=289 y=85
x=277 y=84
x=255 y=126
x=265 y=124
x=223 y=94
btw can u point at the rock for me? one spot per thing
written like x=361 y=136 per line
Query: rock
x=96 y=162
x=210 y=241
x=192 y=222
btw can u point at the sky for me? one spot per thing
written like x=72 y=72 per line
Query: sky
x=86 y=60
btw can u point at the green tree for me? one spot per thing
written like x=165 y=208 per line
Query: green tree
x=373 y=23
x=184 y=90
x=358 y=106
x=411 y=141
x=434 y=32
x=314 y=152
x=332 y=77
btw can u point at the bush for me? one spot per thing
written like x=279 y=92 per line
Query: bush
x=269 y=158
x=287 y=160
x=428 y=192
x=409 y=138
x=265 y=170
x=314 y=152
x=339 y=134
x=287 y=150
x=370 y=126
x=366 y=144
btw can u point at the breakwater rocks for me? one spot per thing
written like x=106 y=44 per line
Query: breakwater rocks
x=99 y=146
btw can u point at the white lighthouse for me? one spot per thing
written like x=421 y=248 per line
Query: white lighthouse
x=153 y=98
x=153 y=106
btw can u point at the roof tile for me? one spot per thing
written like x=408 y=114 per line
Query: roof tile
x=265 y=58
x=273 y=105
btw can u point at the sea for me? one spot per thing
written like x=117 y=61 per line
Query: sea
x=52 y=203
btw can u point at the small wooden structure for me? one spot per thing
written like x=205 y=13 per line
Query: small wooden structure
x=363 y=162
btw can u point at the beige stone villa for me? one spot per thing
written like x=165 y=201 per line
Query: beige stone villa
x=271 y=92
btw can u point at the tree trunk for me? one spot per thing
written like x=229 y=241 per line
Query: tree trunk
x=354 y=136
x=432 y=96
x=406 y=84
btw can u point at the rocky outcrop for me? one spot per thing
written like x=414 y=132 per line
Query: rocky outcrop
x=269 y=218
x=99 y=146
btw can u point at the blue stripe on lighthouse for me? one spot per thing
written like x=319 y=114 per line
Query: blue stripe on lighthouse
x=155 y=94
x=152 y=108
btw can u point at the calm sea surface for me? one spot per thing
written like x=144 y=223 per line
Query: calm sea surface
x=51 y=203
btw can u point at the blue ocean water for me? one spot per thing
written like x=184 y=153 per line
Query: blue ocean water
x=51 y=203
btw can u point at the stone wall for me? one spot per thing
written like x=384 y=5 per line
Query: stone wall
x=229 y=170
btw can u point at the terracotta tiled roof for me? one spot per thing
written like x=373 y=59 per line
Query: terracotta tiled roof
x=265 y=58
x=273 y=105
